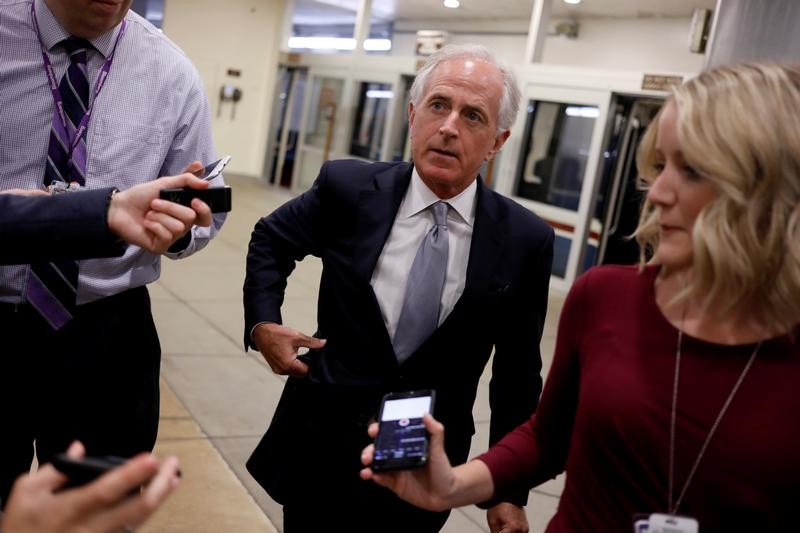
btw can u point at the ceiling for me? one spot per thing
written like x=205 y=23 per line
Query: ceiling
x=343 y=11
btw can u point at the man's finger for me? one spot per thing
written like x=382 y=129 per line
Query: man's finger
x=76 y=450
x=175 y=226
x=173 y=209
x=134 y=511
x=159 y=238
x=45 y=478
x=114 y=485
x=309 y=342
x=203 y=213
x=298 y=369
x=195 y=167
x=26 y=192
x=182 y=180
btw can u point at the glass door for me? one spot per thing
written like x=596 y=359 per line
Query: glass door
x=556 y=171
x=400 y=143
x=619 y=197
x=323 y=110
x=283 y=134
x=369 y=119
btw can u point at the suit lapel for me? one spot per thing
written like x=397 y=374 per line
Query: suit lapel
x=488 y=240
x=377 y=209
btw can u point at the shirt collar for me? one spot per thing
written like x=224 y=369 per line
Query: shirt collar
x=53 y=33
x=419 y=197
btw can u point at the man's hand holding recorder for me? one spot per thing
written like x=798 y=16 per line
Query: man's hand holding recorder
x=120 y=499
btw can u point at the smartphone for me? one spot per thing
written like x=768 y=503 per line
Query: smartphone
x=402 y=440
x=209 y=172
x=217 y=198
x=82 y=471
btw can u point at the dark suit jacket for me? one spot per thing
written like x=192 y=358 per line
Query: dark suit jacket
x=344 y=219
x=67 y=226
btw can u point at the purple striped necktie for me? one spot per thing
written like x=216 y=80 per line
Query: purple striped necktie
x=52 y=287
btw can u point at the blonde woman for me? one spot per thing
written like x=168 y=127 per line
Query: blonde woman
x=673 y=392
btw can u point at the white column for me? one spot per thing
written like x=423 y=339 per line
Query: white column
x=361 y=31
x=286 y=25
x=540 y=18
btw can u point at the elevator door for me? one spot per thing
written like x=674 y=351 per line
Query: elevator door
x=286 y=113
x=619 y=195
x=557 y=168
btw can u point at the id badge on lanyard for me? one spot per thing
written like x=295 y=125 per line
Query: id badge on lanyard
x=665 y=523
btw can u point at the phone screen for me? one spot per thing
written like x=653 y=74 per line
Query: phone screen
x=402 y=440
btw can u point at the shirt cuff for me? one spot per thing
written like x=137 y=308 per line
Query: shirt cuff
x=181 y=244
x=253 y=329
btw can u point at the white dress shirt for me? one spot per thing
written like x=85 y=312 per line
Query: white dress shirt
x=412 y=223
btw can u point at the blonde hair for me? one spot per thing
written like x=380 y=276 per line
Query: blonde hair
x=738 y=127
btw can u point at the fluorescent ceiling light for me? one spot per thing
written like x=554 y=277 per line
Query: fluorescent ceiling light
x=322 y=43
x=375 y=93
x=378 y=45
x=338 y=43
x=451 y=3
x=586 y=112
x=572 y=1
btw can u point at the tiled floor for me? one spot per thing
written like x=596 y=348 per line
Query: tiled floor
x=217 y=399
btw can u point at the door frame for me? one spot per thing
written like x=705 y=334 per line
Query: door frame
x=574 y=225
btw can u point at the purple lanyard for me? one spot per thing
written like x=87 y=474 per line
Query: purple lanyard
x=98 y=85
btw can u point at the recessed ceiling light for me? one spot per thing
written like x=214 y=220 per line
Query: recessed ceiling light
x=451 y=3
x=572 y=1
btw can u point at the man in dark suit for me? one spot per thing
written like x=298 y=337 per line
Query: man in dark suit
x=99 y=221
x=366 y=222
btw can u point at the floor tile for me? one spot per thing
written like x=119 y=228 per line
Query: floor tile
x=204 y=281
x=159 y=293
x=236 y=451
x=183 y=331
x=170 y=406
x=540 y=510
x=170 y=429
x=300 y=314
x=554 y=487
x=226 y=315
x=226 y=396
x=210 y=498
x=462 y=522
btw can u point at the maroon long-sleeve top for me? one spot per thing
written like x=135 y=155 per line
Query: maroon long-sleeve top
x=605 y=418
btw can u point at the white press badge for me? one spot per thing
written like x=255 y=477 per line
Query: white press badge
x=667 y=523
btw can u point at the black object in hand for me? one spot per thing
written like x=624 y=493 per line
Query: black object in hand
x=217 y=198
x=82 y=471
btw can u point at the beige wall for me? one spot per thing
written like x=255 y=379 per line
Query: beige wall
x=653 y=45
x=233 y=34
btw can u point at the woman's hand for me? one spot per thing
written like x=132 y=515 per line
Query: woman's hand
x=430 y=487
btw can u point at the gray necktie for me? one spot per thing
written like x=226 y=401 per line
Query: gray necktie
x=419 y=316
